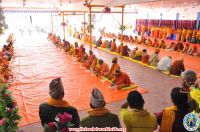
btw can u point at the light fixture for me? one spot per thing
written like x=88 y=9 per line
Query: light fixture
x=184 y=3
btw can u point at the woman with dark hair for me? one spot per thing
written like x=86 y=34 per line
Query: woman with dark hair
x=171 y=118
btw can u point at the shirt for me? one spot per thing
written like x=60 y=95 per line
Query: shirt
x=164 y=63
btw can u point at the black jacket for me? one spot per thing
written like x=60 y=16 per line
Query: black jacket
x=48 y=113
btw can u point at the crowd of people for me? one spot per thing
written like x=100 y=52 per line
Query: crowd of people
x=132 y=112
x=6 y=55
x=183 y=35
x=156 y=43
x=119 y=78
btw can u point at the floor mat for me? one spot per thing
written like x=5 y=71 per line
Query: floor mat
x=36 y=64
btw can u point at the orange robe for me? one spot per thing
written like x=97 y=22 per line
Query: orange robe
x=123 y=79
x=88 y=63
x=113 y=47
x=104 y=44
x=112 y=70
x=103 y=69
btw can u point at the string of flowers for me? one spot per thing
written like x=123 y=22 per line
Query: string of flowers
x=9 y=116
x=61 y=124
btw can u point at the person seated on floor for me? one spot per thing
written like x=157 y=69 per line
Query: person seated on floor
x=138 y=55
x=83 y=56
x=137 y=40
x=186 y=48
x=66 y=46
x=145 y=56
x=113 y=46
x=177 y=67
x=113 y=68
x=155 y=43
x=142 y=40
x=193 y=51
x=104 y=44
x=165 y=63
x=99 y=42
x=131 y=39
x=56 y=104
x=120 y=80
x=102 y=69
x=76 y=49
x=88 y=62
x=7 y=53
x=80 y=51
x=178 y=47
x=94 y=64
x=135 y=117
x=125 y=50
x=133 y=52
x=171 y=47
x=4 y=48
x=171 y=118
x=119 y=49
x=162 y=44
x=72 y=50
x=98 y=115
x=149 y=43
x=109 y=45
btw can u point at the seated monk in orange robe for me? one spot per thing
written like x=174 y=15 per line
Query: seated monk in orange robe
x=187 y=47
x=121 y=79
x=94 y=64
x=113 y=46
x=155 y=43
x=137 y=40
x=102 y=69
x=76 y=50
x=82 y=55
x=131 y=39
x=114 y=67
x=104 y=44
x=149 y=42
x=91 y=57
x=162 y=44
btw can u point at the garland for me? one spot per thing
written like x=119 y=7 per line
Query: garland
x=9 y=117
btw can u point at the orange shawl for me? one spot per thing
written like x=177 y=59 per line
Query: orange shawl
x=58 y=102
x=168 y=119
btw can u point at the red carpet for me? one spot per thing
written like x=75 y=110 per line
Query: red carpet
x=37 y=64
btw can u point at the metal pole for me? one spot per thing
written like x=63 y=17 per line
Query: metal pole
x=122 y=30
x=90 y=26
x=51 y=23
x=84 y=29
x=63 y=20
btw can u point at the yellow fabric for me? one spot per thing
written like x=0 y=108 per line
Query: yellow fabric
x=168 y=119
x=58 y=102
x=98 y=111
x=138 y=121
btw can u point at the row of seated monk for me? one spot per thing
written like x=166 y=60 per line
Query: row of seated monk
x=97 y=66
x=163 y=64
x=6 y=55
x=174 y=46
x=132 y=112
x=178 y=47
